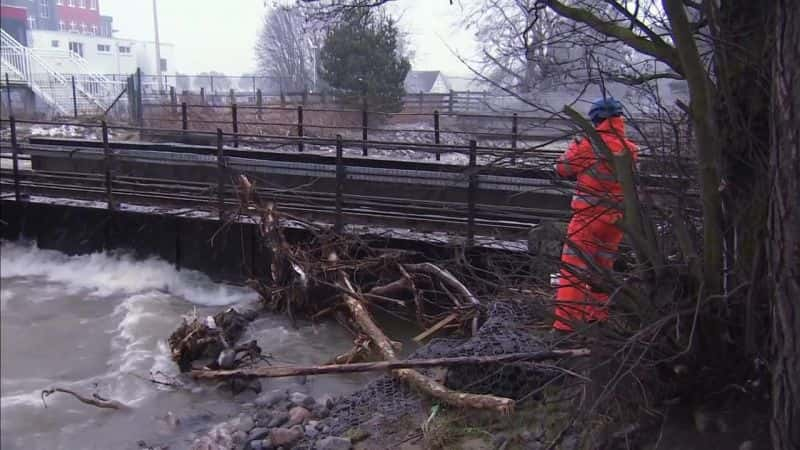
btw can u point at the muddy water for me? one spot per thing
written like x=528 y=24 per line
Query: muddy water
x=99 y=323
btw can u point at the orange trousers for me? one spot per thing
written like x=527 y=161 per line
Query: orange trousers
x=594 y=236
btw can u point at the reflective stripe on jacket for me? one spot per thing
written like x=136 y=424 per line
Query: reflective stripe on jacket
x=597 y=185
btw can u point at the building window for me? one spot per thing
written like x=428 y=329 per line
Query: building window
x=72 y=3
x=62 y=26
x=60 y=2
x=103 y=48
x=124 y=50
x=54 y=44
x=32 y=23
x=44 y=9
x=82 y=4
x=93 y=4
x=94 y=30
x=163 y=65
x=72 y=26
x=83 y=27
x=76 y=47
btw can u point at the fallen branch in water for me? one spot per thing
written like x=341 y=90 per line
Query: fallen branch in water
x=417 y=380
x=289 y=371
x=94 y=400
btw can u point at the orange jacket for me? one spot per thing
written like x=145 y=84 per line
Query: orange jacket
x=597 y=184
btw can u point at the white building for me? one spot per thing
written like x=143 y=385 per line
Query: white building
x=106 y=55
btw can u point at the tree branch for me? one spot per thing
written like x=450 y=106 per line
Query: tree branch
x=659 y=50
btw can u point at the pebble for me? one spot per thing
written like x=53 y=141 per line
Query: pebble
x=334 y=443
x=239 y=437
x=226 y=358
x=326 y=400
x=746 y=445
x=298 y=415
x=256 y=445
x=312 y=424
x=284 y=436
x=321 y=411
x=270 y=398
x=245 y=424
x=300 y=399
x=278 y=418
x=258 y=433
x=266 y=444
x=263 y=417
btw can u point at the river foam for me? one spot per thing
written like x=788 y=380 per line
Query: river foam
x=105 y=274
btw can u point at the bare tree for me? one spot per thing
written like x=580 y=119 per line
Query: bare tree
x=285 y=48
x=785 y=227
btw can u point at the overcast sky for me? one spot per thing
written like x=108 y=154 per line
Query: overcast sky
x=220 y=34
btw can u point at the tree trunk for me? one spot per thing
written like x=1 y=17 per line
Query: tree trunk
x=784 y=228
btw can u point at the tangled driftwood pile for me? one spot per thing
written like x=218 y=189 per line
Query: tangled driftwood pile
x=345 y=279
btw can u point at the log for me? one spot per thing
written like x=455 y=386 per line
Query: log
x=291 y=371
x=444 y=275
x=392 y=289
x=411 y=376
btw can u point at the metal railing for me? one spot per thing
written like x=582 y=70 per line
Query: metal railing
x=40 y=69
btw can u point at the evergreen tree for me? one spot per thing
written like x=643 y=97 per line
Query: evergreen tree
x=361 y=56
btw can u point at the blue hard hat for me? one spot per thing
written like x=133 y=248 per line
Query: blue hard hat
x=605 y=107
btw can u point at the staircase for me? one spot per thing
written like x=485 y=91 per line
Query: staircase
x=50 y=73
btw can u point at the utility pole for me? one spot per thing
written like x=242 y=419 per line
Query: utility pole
x=158 y=47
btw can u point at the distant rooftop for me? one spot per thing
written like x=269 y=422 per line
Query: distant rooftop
x=421 y=80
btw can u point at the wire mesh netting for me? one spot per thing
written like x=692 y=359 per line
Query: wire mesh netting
x=385 y=401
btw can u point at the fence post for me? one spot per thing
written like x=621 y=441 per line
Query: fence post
x=364 y=125
x=300 y=128
x=436 y=133
x=202 y=95
x=305 y=95
x=14 y=154
x=514 y=138
x=107 y=162
x=8 y=97
x=220 y=175
x=472 y=191
x=74 y=99
x=283 y=99
x=450 y=102
x=259 y=102
x=254 y=85
x=173 y=97
x=131 y=96
x=339 y=224
x=235 y=120
x=184 y=116
x=139 y=97
x=233 y=96
x=211 y=79
x=421 y=98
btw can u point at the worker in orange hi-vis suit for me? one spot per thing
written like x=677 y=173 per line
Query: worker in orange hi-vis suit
x=592 y=233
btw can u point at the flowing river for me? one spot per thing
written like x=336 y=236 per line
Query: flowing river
x=99 y=323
